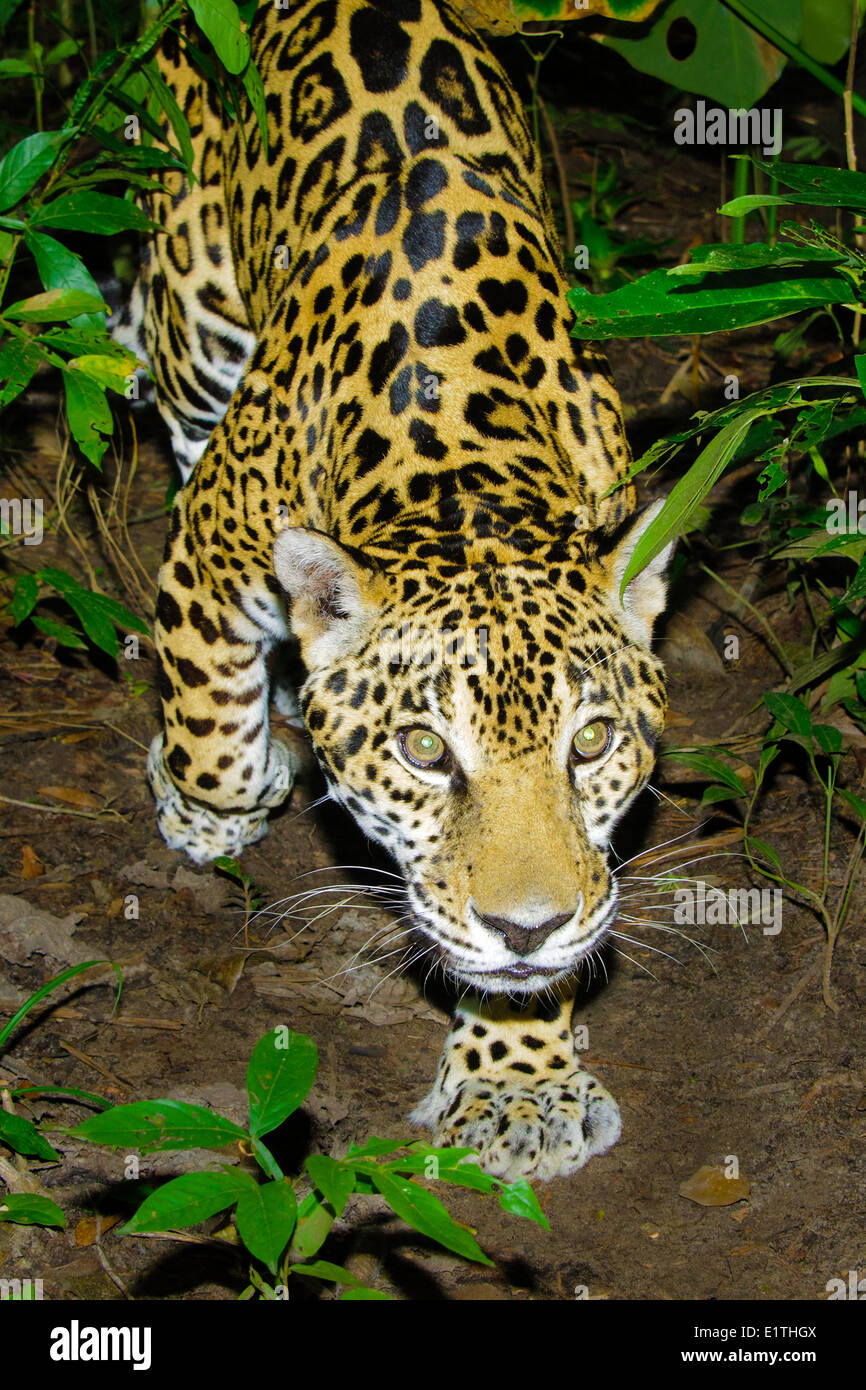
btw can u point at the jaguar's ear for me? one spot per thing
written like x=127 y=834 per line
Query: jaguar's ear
x=331 y=594
x=645 y=595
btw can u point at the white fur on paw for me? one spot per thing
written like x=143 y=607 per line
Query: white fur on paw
x=205 y=834
x=541 y=1131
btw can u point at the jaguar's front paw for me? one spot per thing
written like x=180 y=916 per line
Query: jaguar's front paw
x=205 y=833
x=545 y=1129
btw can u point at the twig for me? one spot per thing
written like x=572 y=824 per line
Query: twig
x=106 y=813
x=563 y=180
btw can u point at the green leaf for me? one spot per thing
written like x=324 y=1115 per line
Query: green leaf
x=280 y=1073
x=819 y=184
x=856 y=803
x=712 y=795
x=254 y=88
x=26 y=162
x=54 y=305
x=220 y=21
x=860 y=367
x=26 y=1209
x=315 y=1220
x=111 y=373
x=61 y=51
x=24 y=598
x=791 y=713
x=98 y=213
x=89 y=416
x=687 y=494
x=519 y=1199
x=44 y=990
x=18 y=363
x=153 y=1125
x=168 y=102
x=60 y=269
x=366 y=1296
x=323 y=1269
x=23 y=1136
x=749 y=66
x=766 y=851
x=266 y=1216
x=335 y=1181
x=375 y=1147
x=423 y=1211
x=186 y=1200
x=61 y=632
x=828 y=738
x=662 y=303
x=711 y=765
x=15 y=67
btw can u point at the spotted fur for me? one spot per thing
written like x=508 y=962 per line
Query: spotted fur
x=360 y=344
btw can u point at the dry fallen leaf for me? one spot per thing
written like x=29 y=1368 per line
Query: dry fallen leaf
x=89 y=1228
x=31 y=864
x=710 y=1188
x=73 y=796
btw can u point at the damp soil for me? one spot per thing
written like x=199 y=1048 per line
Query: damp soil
x=720 y=1050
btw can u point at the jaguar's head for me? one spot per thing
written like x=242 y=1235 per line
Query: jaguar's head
x=488 y=727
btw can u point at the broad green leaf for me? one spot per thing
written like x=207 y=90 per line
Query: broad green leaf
x=791 y=713
x=315 y=1220
x=820 y=184
x=111 y=373
x=54 y=305
x=89 y=416
x=750 y=64
x=152 y=1125
x=755 y=255
x=24 y=598
x=23 y=1136
x=860 y=367
x=220 y=21
x=15 y=67
x=335 y=1181
x=61 y=51
x=827 y=29
x=60 y=269
x=519 y=1199
x=18 y=363
x=280 y=1073
x=26 y=162
x=88 y=604
x=266 y=1216
x=375 y=1147
x=27 y=1209
x=186 y=1200
x=660 y=303
x=423 y=1211
x=98 y=213
x=687 y=494
x=323 y=1269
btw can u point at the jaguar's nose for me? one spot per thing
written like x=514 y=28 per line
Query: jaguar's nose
x=522 y=939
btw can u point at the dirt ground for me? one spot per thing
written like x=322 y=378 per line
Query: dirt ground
x=718 y=1050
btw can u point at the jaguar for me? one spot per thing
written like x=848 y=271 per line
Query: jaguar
x=358 y=334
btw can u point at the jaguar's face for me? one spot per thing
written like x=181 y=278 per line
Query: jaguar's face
x=489 y=734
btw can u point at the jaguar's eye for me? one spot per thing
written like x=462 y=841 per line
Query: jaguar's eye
x=422 y=747
x=592 y=740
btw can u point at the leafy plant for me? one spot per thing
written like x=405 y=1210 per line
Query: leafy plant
x=284 y=1224
x=23 y=1203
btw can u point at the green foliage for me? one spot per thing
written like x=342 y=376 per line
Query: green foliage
x=97 y=614
x=23 y=1137
x=282 y=1229
x=55 y=181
